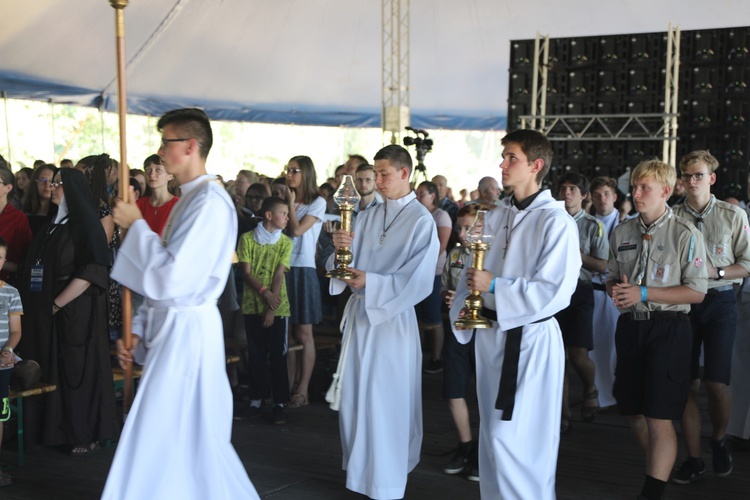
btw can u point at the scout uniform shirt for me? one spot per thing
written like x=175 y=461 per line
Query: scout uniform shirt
x=593 y=240
x=458 y=258
x=670 y=252
x=725 y=233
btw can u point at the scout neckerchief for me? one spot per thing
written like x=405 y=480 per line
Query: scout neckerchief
x=700 y=217
x=646 y=236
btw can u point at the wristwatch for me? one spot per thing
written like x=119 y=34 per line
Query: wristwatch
x=720 y=273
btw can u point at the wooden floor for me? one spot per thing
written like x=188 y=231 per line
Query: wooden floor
x=302 y=459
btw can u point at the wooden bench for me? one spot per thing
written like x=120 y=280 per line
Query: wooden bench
x=17 y=408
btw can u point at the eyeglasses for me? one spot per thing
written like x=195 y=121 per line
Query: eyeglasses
x=164 y=141
x=56 y=185
x=293 y=171
x=697 y=177
x=253 y=197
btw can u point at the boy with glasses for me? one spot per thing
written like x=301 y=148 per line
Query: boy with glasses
x=725 y=231
x=184 y=398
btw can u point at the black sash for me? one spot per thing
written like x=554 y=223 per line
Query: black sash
x=506 y=393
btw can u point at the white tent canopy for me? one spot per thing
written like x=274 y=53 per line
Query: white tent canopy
x=305 y=61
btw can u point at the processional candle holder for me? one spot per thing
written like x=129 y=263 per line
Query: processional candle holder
x=346 y=198
x=479 y=243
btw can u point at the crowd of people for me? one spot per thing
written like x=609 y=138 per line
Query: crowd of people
x=621 y=290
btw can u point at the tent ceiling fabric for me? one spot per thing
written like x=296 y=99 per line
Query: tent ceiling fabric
x=312 y=62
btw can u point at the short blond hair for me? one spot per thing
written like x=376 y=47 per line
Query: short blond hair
x=700 y=155
x=662 y=173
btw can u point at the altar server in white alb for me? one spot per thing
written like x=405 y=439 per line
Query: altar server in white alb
x=531 y=271
x=604 y=196
x=176 y=440
x=395 y=247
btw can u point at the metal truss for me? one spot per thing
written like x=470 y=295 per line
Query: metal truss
x=395 y=55
x=619 y=127
x=669 y=151
x=622 y=127
x=539 y=88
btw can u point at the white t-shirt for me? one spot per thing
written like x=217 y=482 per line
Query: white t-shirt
x=442 y=219
x=303 y=251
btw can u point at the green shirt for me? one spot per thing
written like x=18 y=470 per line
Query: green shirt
x=263 y=260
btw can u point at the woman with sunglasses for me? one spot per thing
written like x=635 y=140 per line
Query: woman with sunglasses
x=306 y=211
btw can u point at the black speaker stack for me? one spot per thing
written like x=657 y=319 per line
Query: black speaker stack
x=626 y=74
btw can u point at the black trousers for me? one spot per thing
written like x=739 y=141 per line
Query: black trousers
x=267 y=349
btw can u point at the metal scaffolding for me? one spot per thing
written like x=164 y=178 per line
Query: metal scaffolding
x=539 y=92
x=611 y=127
x=395 y=55
x=669 y=151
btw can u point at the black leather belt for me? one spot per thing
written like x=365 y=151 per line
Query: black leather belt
x=647 y=315
x=506 y=393
x=599 y=286
x=719 y=289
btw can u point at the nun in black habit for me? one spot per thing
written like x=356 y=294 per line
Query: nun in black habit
x=63 y=290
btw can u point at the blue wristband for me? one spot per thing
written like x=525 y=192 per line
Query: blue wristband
x=492 y=286
x=644 y=294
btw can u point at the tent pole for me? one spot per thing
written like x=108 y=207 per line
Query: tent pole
x=123 y=188
x=52 y=124
x=7 y=127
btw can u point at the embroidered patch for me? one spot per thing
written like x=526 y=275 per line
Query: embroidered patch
x=660 y=272
x=698 y=262
x=747 y=230
x=625 y=246
x=719 y=250
x=661 y=248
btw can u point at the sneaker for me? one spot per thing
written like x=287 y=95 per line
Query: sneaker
x=248 y=413
x=690 y=470
x=279 y=415
x=722 y=457
x=4 y=410
x=472 y=471
x=473 y=474
x=460 y=459
x=434 y=366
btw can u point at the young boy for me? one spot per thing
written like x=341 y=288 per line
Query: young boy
x=10 y=333
x=714 y=321
x=395 y=248
x=265 y=255
x=459 y=363
x=576 y=320
x=656 y=270
x=531 y=270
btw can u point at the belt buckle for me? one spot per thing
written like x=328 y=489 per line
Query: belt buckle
x=641 y=315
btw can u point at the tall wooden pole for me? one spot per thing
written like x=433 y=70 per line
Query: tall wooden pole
x=124 y=186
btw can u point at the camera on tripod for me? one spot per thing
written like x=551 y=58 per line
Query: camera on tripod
x=423 y=144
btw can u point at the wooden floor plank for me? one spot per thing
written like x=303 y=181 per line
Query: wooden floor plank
x=302 y=460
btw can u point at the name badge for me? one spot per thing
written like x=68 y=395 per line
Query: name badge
x=37 y=276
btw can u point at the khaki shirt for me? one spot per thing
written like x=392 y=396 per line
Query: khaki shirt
x=593 y=240
x=676 y=257
x=458 y=258
x=726 y=235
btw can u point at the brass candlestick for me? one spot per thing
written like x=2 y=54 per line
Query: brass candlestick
x=346 y=198
x=479 y=243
